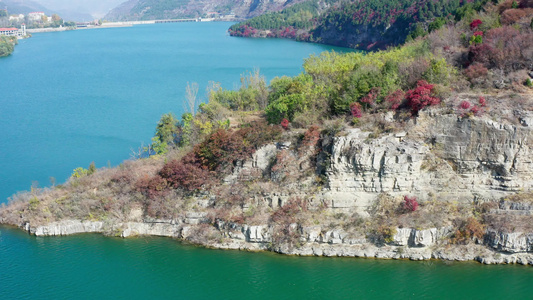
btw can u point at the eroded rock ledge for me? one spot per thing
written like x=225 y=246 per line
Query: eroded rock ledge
x=407 y=243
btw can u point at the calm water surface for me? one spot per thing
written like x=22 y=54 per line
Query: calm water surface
x=74 y=97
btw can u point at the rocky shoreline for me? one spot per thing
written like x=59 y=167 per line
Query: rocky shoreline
x=473 y=178
x=407 y=243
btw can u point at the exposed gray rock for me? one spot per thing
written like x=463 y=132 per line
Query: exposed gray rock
x=195 y=218
x=257 y=234
x=479 y=159
x=156 y=229
x=514 y=242
x=402 y=237
x=67 y=227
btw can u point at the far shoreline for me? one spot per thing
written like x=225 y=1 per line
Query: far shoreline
x=123 y=24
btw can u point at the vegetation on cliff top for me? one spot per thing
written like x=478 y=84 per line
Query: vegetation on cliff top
x=199 y=157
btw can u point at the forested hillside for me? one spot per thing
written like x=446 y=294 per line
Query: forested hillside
x=368 y=25
x=293 y=22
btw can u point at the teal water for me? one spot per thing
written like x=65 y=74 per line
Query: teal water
x=94 y=267
x=74 y=97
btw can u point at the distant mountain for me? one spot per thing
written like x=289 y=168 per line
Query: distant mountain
x=27 y=6
x=23 y=7
x=81 y=9
x=169 y=9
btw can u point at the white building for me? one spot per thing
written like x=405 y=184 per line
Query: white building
x=36 y=16
x=16 y=18
x=14 y=31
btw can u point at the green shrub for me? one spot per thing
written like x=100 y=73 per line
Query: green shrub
x=79 y=172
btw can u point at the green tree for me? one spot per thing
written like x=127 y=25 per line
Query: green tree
x=167 y=129
x=78 y=172
x=92 y=168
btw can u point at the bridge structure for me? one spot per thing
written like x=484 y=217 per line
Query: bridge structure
x=177 y=20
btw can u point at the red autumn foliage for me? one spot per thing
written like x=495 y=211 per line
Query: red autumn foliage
x=355 y=109
x=464 y=105
x=395 y=98
x=478 y=33
x=466 y=109
x=285 y=124
x=482 y=101
x=409 y=204
x=475 y=110
x=371 y=97
x=421 y=96
x=475 y=24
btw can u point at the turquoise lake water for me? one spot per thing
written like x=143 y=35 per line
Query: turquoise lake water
x=70 y=98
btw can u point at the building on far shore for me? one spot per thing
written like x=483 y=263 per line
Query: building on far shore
x=16 y=18
x=14 y=31
x=37 y=16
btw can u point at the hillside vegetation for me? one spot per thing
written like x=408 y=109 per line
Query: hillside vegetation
x=7 y=45
x=367 y=25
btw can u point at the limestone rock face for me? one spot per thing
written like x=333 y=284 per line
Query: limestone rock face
x=444 y=157
x=514 y=242
x=157 y=229
x=257 y=234
x=402 y=236
x=67 y=227
x=420 y=238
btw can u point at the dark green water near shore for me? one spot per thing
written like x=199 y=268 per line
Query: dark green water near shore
x=90 y=266
x=70 y=98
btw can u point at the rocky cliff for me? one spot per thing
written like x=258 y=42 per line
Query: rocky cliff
x=461 y=170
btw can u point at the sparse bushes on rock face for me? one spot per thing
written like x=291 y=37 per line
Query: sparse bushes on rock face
x=467 y=230
x=466 y=108
x=475 y=71
x=285 y=124
x=152 y=187
x=311 y=136
x=355 y=109
x=185 y=174
x=482 y=101
x=287 y=213
x=385 y=233
x=409 y=204
x=465 y=105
